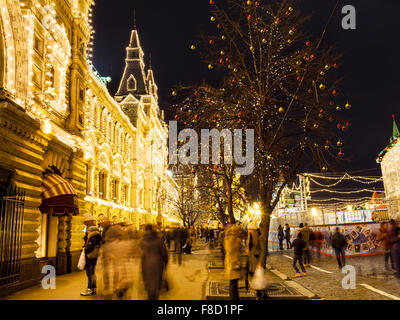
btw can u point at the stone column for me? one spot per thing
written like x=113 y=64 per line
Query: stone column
x=63 y=238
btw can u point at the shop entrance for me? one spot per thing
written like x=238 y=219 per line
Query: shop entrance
x=59 y=204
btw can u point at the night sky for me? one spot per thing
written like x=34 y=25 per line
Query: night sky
x=167 y=28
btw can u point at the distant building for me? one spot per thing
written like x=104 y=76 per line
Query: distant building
x=389 y=158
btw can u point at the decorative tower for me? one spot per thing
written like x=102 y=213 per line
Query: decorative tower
x=133 y=81
x=396 y=132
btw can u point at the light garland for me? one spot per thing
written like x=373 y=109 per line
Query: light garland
x=347 y=192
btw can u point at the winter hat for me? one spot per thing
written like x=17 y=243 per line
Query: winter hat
x=93 y=229
x=89 y=217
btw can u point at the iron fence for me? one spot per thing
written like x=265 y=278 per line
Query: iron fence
x=11 y=223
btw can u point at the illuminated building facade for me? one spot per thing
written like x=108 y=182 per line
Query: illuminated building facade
x=389 y=158
x=57 y=117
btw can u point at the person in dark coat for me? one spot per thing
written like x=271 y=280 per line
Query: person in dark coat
x=396 y=250
x=154 y=262
x=339 y=244
x=92 y=250
x=281 y=236
x=287 y=236
x=299 y=244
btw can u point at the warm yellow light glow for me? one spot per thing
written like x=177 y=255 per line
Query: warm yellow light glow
x=349 y=208
x=87 y=155
x=47 y=126
x=314 y=211
x=367 y=206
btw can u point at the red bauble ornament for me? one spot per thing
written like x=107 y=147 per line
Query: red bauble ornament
x=249 y=16
x=331 y=103
x=330 y=119
x=221 y=60
x=211 y=41
x=335 y=65
x=176 y=117
x=193 y=171
x=335 y=92
x=321 y=111
x=218 y=26
x=339 y=126
x=212 y=2
x=308 y=43
x=240 y=114
x=312 y=56
x=309 y=91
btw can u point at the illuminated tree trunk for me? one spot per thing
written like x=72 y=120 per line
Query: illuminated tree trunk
x=264 y=228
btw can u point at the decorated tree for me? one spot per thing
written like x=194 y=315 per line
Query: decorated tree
x=276 y=79
x=225 y=192
x=185 y=201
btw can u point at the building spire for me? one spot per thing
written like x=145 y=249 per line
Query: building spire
x=396 y=132
x=134 y=19
x=150 y=61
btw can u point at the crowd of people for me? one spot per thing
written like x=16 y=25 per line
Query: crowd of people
x=112 y=249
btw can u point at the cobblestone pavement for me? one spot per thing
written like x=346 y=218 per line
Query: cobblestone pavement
x=327 y=282
x=187 y=281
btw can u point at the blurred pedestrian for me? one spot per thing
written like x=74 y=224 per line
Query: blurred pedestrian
x=288 y=236
x=317 y=242
x=169 y=237
x=396 y=251
x=253 y=245
x=299 y=244
x=386 y=237
x=92 y=251
x=232 y=243
x=339 y=244
x=281 y=236
x=154 y=262
x=306 y=232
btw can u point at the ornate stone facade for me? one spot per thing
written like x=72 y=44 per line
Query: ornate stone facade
x=57 y=114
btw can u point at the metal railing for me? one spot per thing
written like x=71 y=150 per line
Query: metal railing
x=11 y=223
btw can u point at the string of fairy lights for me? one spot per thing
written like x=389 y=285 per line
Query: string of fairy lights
x=338 y=198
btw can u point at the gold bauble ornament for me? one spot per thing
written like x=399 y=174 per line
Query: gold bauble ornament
x=222 y=52
x=289 y=41
x=264 y=40
x=281 y=110
x=193 y=47
x=327 y=67
x=322 y=86
x=316 y=125
x=291 y=32
x=212 y=18
x=210 y=66
x=223 y=37
x=322 y=73
x=235 y=70
x=249 y=3
x=174 y=93
x=324 y=169
x=339 y=143
x=290 y=9
x=348 y=105
x=338 y=108
x=251 y=48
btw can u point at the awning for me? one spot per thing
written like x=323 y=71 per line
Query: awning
x=58 y=196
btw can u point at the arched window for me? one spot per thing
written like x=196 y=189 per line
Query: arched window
x=131 y=83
